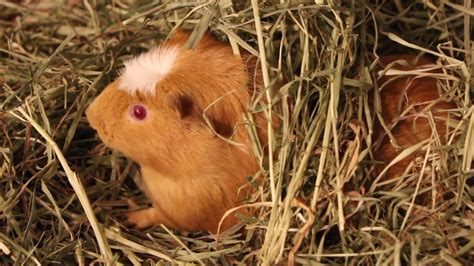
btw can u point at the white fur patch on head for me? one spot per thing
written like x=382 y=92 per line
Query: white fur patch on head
x=142 y=73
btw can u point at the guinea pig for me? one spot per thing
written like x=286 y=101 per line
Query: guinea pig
x=406 y=101
x=173 y=110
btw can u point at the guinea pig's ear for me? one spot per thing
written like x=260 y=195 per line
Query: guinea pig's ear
x=185 y=108
x=181 y=104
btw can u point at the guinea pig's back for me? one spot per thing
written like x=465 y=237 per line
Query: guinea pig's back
x=418 y=94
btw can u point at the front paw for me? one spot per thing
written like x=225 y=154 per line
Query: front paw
x=138 y=219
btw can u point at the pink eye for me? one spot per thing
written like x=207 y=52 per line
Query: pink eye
x=138 y=112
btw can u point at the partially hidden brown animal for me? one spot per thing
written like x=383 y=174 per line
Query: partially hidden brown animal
x=406 y=101
x=153 y=113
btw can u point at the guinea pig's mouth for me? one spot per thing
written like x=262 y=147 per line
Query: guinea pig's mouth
x=105 y=136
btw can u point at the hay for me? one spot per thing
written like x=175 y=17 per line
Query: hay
x=61 y=190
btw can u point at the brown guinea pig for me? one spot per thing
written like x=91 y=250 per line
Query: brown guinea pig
x=406 y=101
x=154 y=113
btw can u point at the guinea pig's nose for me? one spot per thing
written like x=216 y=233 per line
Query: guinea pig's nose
x=92 y=118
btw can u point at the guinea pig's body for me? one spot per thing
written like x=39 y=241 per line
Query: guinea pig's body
x=202 y=187
x=406 y=102
x=160 y=112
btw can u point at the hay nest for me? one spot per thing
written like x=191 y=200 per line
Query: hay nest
x=61 y=190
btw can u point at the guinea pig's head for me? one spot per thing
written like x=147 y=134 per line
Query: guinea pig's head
x=139 y=125
x=147 y=111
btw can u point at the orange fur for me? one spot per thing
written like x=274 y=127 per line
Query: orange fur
x=399 y=94
x=191 y=176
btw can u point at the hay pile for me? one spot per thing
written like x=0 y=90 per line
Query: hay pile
x=56 y=177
